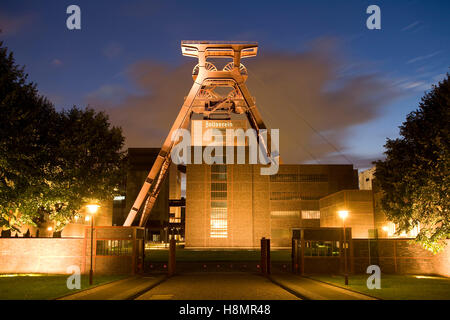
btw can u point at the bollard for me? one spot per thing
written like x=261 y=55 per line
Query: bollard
x=172 y=248
x=268 y=256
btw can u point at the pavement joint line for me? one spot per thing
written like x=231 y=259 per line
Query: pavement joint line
x=293 y=292
x=310 y=295
x=125 y=294
x=153 y=285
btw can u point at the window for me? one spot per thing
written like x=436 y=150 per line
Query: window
x=282 y=214
x=114 y=247
x=275 y=195
x=293 y=177
x=310 y=214
x=312 y=195
x=219 y=223
x=218 y=172
x=283 y=178
x=321 y=248
x=219 y=190
x=219 y=213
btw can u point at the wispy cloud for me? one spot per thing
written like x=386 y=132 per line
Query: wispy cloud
x=109 y=93
x=13 y=24
x=413 y=84
x=420 y=58
x=56 y=63
x=410 y=26
x=113 y=50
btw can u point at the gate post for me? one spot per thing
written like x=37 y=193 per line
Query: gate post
x=172 y=248
x=302 y=252
x=294 y=255
x=263 y=256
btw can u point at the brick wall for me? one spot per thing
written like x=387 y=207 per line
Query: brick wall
x=400 y=256
x=54 y=255
x=40 y=255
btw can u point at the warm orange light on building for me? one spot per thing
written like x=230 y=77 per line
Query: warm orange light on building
x=343 y=214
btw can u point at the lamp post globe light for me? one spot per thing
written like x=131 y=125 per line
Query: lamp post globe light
x=343 y=214
x=92 y=210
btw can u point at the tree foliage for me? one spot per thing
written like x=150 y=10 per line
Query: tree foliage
x=51 y=162
x=414 y=178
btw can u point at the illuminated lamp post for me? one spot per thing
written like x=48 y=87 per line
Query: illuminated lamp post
x=344 y=214
x=92 y=209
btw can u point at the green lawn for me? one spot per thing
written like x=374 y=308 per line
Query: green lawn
x=42 y=286
x=397 y=287
x=161 y=255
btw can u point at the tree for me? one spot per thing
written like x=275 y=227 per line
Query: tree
x=414 y=178
x=51 y=162
x=25 y=135
x=88 y=163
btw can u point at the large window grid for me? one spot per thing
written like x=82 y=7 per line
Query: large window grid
x=219 y=213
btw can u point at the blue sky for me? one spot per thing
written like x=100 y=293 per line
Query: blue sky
x=410 y=52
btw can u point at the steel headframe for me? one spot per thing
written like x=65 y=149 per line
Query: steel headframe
x=203 y=100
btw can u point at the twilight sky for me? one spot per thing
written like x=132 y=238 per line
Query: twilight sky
x=320 y=75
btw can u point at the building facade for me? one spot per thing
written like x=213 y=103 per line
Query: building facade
x=359 y=204
x=366 y=178
x=235 y=206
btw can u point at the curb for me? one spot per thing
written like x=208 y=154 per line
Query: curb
x=90 y=288
x=337 y=286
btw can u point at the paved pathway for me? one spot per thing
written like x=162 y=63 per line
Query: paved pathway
x=117 y=290
x=316 y=290
x=218 y=286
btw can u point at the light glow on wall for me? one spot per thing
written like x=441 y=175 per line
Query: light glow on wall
x=219 y=223
x=310 y=214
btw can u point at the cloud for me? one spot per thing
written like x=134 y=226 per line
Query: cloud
x=56 y=63
x=12 y=25
x=420 y=58
x=302 y=94
x=410 y=26
x=109 y=94
x=113 y=50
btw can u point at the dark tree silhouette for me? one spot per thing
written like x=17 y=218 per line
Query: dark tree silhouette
x=414 y=177
x=51 y=161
